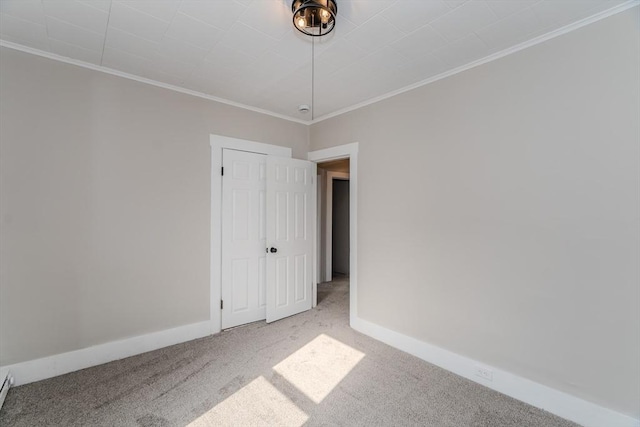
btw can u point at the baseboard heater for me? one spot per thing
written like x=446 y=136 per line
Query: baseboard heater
x=7 y=381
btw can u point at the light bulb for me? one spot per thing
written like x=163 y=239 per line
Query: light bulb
x=301 y=23
x=324 y=15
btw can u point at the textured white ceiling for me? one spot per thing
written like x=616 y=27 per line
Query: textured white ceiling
x=247 y=51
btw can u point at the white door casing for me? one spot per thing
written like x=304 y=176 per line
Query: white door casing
x=318 y=232
x=243 y=238
x=291 y=226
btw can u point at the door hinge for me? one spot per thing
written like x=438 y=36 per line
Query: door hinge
x=222 y=171
x=221 y=305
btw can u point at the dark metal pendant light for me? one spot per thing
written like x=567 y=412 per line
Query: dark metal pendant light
x=314 y=17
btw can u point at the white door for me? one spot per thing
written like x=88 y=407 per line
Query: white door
x=243 y=238
x=290 y=236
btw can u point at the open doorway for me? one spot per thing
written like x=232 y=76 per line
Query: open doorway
x=340 y=153
x=333 y=223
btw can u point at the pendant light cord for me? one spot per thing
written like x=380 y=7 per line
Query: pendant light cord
x=313 y=77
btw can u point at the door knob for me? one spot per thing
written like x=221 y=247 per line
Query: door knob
x=273 y=250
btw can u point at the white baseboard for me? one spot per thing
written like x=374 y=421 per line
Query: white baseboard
x=559 y=403
x=59 y=364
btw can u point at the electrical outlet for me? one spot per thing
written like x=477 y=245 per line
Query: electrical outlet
x=485 y=373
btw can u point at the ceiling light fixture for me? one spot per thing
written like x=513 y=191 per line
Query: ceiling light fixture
x=314 y=18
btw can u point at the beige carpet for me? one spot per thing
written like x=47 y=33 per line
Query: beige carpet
x=310 y=369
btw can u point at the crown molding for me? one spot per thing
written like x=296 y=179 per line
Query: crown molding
x=106 y=70
x=494 y=56
x=513 y=49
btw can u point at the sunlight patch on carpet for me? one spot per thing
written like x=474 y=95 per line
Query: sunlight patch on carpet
x=257 y=403
x=318 y=367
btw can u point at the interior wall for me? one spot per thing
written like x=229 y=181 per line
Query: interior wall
x=105 y=204
x=340 y=232
x=510 y=219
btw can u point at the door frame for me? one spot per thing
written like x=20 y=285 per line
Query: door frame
x=328 y=249
x=347 y=151
x=219 y=143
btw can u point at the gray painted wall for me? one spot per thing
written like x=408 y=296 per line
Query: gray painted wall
x=509 y=212
x=340 y=219
x=105 y=204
